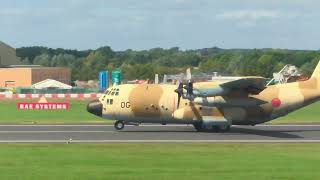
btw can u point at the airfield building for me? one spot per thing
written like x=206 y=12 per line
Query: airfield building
x=27 y=76
x=13 y=74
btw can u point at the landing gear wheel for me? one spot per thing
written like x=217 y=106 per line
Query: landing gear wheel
x=119 y=125
x=215 y=129
x=199 y=127
x=202 y=128
x=223 y=128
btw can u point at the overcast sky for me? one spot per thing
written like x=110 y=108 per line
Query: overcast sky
x=145 y=24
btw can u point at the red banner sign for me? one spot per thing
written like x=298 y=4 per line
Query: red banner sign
x=42 y=106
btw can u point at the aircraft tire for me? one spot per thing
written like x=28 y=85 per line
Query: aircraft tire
x=199 y=127
x=215 y=129
x=119 y=125
x=221 y=129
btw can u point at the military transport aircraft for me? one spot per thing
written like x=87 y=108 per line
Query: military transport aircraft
x=208 y=106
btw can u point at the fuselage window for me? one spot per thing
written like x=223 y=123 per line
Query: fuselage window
x=107 y=101
x=111 y=101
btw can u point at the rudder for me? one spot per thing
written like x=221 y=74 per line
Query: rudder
x=316 y=72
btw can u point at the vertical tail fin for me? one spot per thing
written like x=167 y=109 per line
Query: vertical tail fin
x=316 y=72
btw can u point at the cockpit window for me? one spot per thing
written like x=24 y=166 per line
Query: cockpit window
x=112 y=92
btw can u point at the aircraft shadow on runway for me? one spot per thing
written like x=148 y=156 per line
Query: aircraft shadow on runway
x=267 y=133
x=237 y=130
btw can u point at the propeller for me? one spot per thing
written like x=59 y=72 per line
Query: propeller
x=188 y=86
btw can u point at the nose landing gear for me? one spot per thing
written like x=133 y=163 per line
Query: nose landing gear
x=119 y=125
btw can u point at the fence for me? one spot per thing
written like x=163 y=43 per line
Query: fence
x=62 y=96
x=55 y=91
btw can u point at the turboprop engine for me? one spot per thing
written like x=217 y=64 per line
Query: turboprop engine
x=220 y=101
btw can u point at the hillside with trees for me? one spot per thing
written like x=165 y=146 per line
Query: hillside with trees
x=144 y=64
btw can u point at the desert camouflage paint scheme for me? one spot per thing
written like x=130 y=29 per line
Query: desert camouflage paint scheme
x=244 y=101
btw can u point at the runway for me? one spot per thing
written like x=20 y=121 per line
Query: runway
x=157 y=134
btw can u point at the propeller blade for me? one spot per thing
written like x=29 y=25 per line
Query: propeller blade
x=179 y=97
x=190 y=84
x=179 y=91
x=189 y=88
x=189 y=77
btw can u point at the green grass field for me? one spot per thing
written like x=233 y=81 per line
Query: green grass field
x=78 y=114
x=159 y=161
x=309 y=114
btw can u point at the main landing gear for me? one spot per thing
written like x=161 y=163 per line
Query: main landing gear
x=119 y=125
x=200 y=127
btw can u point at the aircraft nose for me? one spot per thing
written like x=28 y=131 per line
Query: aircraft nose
x=95 y=107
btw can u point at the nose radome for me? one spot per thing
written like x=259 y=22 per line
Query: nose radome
x=95 y=107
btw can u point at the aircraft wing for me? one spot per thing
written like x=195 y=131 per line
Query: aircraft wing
x=252 y=85
x=247 y=85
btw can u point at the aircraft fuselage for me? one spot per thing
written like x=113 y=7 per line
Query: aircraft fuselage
x=152 y=103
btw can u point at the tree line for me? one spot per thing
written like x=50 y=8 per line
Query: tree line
x=143 y=64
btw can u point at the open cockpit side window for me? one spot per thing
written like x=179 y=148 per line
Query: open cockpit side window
x=109 y=101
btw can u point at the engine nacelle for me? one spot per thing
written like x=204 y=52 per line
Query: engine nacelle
x=188 y=113
x=220 y=101
x=217 y=91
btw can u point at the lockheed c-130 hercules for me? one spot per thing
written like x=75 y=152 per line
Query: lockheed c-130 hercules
x=208 y=106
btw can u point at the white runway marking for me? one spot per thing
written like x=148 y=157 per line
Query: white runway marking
x=286 y=125
x=15 y=131
x=153 y=125
x=88 y=125
x=150 y=133
x=160 y=141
